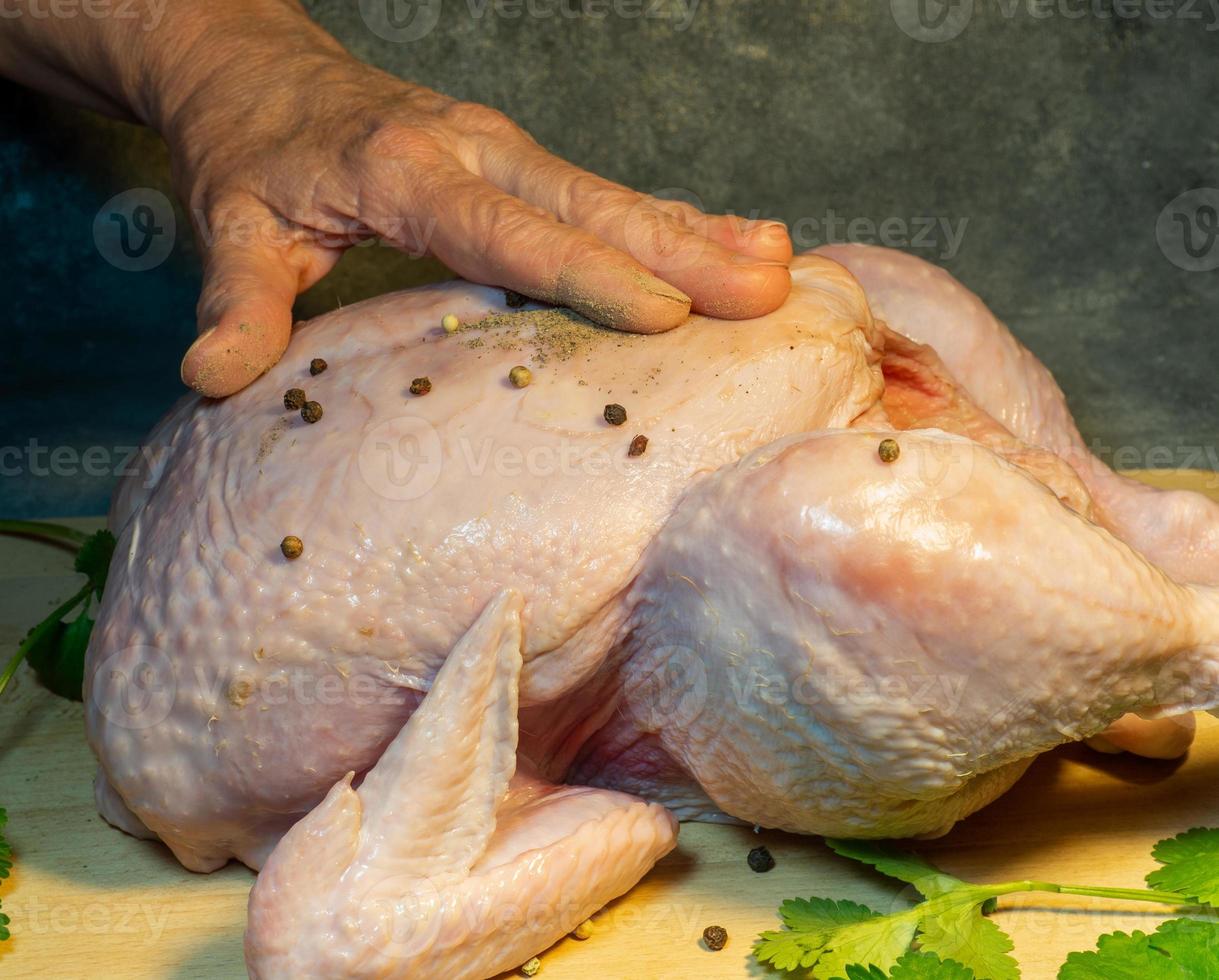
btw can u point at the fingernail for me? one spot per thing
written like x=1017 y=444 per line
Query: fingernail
x=658 y=287
x=199 y=341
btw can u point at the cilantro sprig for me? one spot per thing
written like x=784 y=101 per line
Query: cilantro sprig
x=948 y=935
x=6 y=865
x=55 y=648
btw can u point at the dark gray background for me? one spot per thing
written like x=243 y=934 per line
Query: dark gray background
x=1059 y=140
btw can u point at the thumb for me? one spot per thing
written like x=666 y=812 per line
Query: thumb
x=244 y=314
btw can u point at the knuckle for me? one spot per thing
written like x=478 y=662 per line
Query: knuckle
x=473 y=118
x=396 y=140
x=514 y=223
x=584 y=193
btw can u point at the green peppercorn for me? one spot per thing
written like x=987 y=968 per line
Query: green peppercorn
x=294 y=398
x=311 y=412
x=639 y=446
x=317 y=366
x=888 y=450
x=520 y=376
x=292 y=547
x=421 y=386
x=716 y=937
x=760 y=860
x=615 y=414
x=531 y=968
x=514 y=299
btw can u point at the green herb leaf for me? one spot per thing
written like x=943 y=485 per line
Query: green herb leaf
x=58 y=658
x=888 y=860
x=914 y=966
x=6 y=852
x=965 y=935
x=819 y=928
x=6 y=864
x=1191 y=865
x=93 y=559
x=878 y=942
x=55 y=649
x=1192 y=943
x=1181 y=949
x=821 y=915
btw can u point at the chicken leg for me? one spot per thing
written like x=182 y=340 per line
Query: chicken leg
x=1177 y=530
x=914 y=632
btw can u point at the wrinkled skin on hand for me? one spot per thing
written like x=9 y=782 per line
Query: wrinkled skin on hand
x=287 y=151
x=294 y=162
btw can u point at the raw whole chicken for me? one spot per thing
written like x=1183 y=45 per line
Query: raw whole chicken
x=861 y=573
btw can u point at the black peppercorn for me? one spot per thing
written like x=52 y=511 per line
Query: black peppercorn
x=294 y=398
x=317 y=366
x=888 y=450
x=421 y=386
x=760 y=860
x=715 y=937
x=615 y=414
x=292 y=547
x=514 y=299
x=311 y=412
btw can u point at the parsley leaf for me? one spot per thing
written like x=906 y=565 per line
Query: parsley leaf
x=888 y=860
x=6 y=852
x=1193 y=943
x=843 y=939
x=832 y=935
x=1191 y=865
x=964 y=934
x=821 y=915
x=1181 y=949
x=93 y=559
x=878 y=942
x=55 y=648
x=914 y=966
x=812 y=925
x=6 y=864
x=58 y=657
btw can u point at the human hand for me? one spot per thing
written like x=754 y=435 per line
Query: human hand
x=288 y=151
x=284 y=168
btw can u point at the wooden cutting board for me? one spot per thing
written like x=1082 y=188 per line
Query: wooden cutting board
x=88 y=901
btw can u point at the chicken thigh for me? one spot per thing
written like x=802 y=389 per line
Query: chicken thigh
x=514 y=628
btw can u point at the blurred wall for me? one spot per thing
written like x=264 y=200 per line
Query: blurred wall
x=1036 y=148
